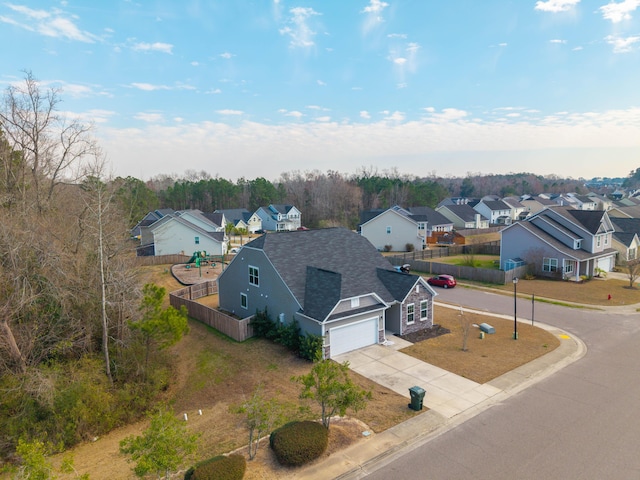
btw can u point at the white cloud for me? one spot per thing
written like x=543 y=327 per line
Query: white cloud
x=325 y=118
x=553 y=144
x=230 y=112
x=148 y=87
x=395 y=116
x=577 y=49
x=149 y=117
x=318 y=108
x=153 y=47
x=195 y=64
x=555 y=6
x=373 y=13
x=300 y=33
x=397 y=35
x=214 y=91
x=449 y=114
x=321 y=83
x=364 y=114
x=399 y=61
x=557 y=40
x=52 y=23
x=622 y=45
x=429 y=109
x=227 y=55
x=617 y=12
x=95 y=116
x=294 y=113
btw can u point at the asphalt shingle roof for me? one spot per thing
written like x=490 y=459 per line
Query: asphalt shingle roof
x=325 y=265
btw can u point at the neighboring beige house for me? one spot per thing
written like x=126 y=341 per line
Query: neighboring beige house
x=463 y=216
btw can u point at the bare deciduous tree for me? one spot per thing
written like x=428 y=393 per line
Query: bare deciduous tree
x=49 y=144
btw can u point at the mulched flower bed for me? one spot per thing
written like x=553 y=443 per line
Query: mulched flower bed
x=425 y=334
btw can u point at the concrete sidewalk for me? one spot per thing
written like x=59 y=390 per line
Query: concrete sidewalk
x=451 y=400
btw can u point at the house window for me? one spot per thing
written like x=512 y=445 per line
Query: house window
x=355 y=302
x=254 y=276
x=568 y=267
x=550 y=264
x=421 y=226
x=578 y=244
x=606 y=239
x=244 y=301
x=598 y=240
x=197 y=240
x=424 y=309
x=410 y=313
x=632 y=254
x=388 y=230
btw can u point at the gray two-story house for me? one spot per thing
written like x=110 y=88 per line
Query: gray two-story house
x=332 y=281
x=561 y=242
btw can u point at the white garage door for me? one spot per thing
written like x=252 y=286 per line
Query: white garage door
x=353 y=336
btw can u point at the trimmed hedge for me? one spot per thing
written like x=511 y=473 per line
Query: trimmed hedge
x=222 y=467
x=297 y=443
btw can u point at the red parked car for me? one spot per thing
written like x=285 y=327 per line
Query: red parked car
x=444 y=281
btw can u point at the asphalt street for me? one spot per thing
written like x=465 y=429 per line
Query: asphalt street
x=581 y=423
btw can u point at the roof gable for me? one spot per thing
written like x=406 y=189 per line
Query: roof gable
x=333 y=263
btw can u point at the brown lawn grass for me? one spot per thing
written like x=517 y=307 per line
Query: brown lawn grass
x=484 y=359
x=214 y=374
x=592 y=292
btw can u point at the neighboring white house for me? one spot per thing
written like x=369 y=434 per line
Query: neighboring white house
x=393 y=230
x=183 y=232
x=397 y=227
x=241 y=218
x=518 y=210
x=279 y=218
x=498 y=212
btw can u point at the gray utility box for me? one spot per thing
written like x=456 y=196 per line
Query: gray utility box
x=417 y=397
x=486 y=328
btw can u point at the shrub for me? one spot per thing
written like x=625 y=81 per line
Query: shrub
x=262 y=324
x=288 y=335
x=222 y=467
x=387 y=248
x=311 y=347
x=298 y=443
x=409 y=247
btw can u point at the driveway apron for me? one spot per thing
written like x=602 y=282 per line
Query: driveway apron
x=446 y=393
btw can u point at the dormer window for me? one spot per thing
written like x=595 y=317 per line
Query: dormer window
x=578 y=244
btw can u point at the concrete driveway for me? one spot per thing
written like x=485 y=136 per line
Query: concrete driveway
x=446 y=393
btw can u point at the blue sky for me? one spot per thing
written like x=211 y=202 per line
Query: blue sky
x=241 y=88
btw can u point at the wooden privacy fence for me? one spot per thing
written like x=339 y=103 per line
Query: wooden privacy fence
x=238 y=329
x=161 y=260
x=492 y=248
x=485 y=275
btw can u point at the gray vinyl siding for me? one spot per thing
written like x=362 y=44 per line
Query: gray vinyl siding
x=271 y=293
x=517 y=242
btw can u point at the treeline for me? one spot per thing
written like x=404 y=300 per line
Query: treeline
x=80 y=341
x=328 y=198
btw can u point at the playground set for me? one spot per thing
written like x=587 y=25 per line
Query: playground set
x=201 y=258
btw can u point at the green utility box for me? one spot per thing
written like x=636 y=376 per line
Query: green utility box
x=417 y=397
